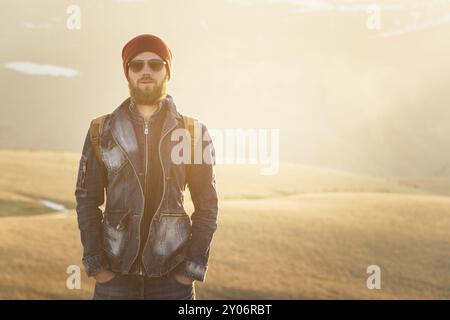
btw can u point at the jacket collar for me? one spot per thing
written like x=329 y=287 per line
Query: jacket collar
x=136 y=116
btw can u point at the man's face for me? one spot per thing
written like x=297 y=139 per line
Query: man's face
x=146 y=85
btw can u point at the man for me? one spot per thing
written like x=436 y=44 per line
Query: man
x=144 y=245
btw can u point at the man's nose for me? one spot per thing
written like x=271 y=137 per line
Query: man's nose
x=146 y=70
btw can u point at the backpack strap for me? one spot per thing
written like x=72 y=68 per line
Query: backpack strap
x=190 y=123
x=95 y=131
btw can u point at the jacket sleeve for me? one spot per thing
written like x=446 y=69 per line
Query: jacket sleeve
x=89 y=195
x=202 y=186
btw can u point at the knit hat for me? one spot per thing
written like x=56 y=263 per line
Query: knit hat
x=146 y=42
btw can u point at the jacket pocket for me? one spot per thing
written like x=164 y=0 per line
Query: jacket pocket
x=115 y=233
x=82 y=173
x=114 y=158
x=172 y=233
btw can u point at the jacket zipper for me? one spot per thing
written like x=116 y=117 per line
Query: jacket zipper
x=145 y=184
x=83 y=177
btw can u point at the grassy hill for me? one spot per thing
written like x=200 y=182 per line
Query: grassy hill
x=306 y=233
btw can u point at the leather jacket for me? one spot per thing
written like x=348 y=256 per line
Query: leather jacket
x=111 y=238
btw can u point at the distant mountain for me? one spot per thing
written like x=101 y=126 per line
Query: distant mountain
x=342 y=96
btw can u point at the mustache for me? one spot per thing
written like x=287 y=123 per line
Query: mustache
x=147 y=79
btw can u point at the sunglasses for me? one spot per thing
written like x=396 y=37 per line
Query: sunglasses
x=155 y=65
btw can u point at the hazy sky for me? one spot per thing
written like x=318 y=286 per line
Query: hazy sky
x=357 y=85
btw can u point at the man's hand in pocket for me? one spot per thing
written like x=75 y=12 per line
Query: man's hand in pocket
x=184 y=279
x=104 y=275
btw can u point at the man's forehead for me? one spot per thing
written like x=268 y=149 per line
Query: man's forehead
x=147 y=55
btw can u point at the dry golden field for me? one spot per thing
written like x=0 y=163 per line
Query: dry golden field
x=306 y=233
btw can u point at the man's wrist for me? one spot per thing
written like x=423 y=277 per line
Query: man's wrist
x=94 y=264
x=194 y=270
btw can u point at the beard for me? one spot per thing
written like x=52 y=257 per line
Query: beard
x=148 y=96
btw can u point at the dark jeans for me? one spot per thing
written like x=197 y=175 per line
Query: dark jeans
x=137 y=287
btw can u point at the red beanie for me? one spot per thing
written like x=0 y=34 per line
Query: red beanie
x=146 y=42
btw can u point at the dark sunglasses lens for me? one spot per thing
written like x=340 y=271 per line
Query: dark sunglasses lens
x=156 y=65
x=136 y=66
